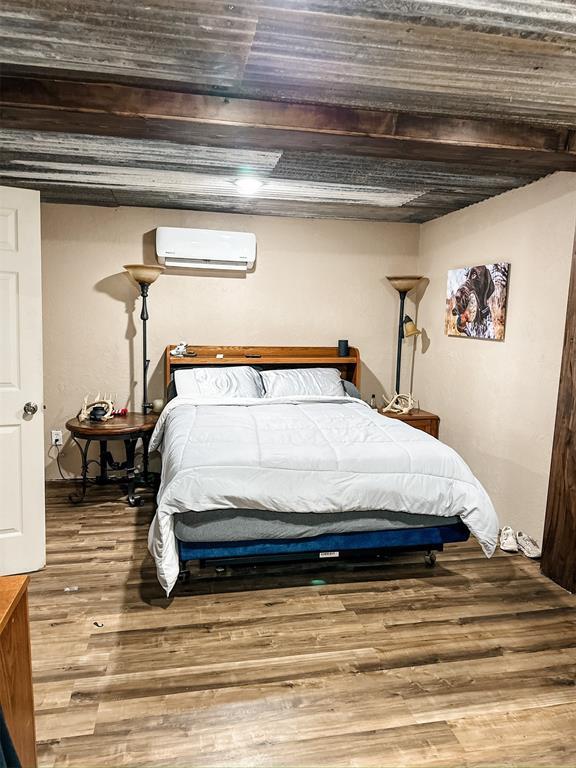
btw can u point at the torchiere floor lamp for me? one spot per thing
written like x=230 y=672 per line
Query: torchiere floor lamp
x=144 y=275
x=406 y=326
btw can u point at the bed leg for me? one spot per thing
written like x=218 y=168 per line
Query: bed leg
x=430 y=559
x=183 y=574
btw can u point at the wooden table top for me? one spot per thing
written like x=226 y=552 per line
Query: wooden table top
x=11 y=588
x=119 y=425
x=415 y=414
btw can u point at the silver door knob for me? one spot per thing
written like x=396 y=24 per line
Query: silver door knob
x=30 y=409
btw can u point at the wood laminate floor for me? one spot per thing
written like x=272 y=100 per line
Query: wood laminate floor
x=470 y=664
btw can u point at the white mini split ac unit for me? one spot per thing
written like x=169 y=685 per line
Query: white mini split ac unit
x=205 y=249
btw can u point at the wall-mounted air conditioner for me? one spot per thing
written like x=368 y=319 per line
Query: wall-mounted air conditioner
x=205 y=248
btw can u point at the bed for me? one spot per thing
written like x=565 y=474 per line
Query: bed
x=253 y=475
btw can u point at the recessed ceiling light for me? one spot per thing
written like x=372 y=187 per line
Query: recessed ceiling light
x=248 y=185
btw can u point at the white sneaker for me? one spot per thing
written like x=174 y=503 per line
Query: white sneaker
x=508 y=541
x=528 y=546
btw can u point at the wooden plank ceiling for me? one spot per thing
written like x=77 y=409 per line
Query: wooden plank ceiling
x=395 y=110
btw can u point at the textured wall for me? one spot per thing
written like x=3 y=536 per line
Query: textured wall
x=315 y=282
x=497 y=400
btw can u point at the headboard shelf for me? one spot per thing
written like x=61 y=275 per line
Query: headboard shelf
x=267 y=357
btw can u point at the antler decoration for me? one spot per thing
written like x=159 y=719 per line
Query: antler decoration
x=399 y=404
x=104 y=402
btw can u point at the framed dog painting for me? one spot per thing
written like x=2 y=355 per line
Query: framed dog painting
x=476 y=301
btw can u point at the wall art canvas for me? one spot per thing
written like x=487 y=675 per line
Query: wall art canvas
x=476 y=301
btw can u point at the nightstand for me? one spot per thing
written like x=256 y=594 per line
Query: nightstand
x=129 y=429
x=424 y=420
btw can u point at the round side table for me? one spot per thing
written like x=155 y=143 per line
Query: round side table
x=129 y=429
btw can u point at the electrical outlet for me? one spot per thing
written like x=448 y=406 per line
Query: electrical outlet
x=56 y=437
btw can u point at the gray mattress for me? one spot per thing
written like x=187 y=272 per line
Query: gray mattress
x=253 y=524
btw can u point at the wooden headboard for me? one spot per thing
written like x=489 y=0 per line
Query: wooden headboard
x=267 y=357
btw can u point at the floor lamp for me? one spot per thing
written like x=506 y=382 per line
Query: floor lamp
x=144 y=275
x=406 y=326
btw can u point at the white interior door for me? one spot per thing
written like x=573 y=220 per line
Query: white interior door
x=22 y=545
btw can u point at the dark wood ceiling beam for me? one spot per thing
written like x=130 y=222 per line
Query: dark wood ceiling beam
x=134 y=112
x=129 y=102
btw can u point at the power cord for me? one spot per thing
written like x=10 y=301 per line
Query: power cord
x=58 y=450
x=59 y=465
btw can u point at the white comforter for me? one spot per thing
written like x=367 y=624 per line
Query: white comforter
x=305 y=454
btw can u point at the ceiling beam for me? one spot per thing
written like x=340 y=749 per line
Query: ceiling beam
x=135 y=112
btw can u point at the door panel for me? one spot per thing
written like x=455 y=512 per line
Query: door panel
x=11 y=452
x=22 y=546
x=9 y=331
x=8 y=229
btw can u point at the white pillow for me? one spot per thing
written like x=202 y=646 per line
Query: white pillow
x=233 y=381
x=296 y=382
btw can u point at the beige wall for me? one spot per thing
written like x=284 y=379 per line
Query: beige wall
x=497 y=400
x=315 y=282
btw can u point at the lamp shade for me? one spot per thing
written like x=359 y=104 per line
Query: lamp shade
x=410 y=328
x=144 y=273
x=404 y=283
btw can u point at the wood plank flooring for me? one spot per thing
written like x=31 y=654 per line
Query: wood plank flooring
x=470 y=664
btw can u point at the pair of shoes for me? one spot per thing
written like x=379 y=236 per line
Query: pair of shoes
x=508 y=542
x=528 y=546
x=519 y=542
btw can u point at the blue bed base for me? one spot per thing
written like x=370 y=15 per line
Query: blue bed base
x=403 y=539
